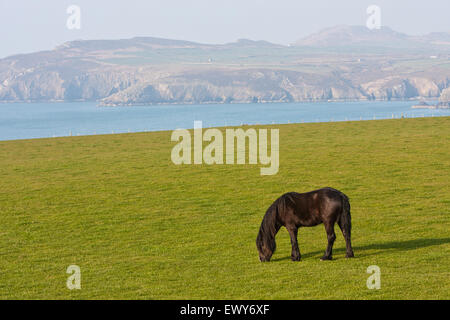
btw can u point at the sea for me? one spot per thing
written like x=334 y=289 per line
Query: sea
x=46 y=120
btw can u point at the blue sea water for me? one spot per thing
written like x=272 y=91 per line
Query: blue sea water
x=40 y=120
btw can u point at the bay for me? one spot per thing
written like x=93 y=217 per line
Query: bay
x=42 y=120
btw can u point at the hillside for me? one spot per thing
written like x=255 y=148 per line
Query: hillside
x=344 y=35
x=340 y=63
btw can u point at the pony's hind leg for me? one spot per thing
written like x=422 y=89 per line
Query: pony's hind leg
x=331 y=236
x=295 y=255
x=346 y=232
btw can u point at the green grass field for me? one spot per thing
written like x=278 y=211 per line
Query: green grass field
x=141 y=227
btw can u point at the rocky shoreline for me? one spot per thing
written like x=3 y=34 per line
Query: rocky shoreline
x=424 y=105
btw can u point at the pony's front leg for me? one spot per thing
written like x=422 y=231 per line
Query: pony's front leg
x=295 y=255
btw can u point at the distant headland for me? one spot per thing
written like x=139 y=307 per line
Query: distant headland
x=343 y=63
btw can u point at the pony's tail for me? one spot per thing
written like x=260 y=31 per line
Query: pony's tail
x=345 y=222
x=345 y=218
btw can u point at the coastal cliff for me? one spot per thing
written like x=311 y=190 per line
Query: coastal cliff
x=142 y=71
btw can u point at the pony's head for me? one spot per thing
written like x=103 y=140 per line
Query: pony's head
x=266 y=246
x=265 y=242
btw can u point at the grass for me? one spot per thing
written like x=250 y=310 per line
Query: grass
x=140 y=227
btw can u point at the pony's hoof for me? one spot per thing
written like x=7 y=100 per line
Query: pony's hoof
x=350 y=255
x=326 y=258
x=295 y=258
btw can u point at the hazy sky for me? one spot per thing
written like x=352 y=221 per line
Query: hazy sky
x=32 y=25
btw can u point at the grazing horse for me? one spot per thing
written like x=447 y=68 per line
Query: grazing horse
x=293 y=210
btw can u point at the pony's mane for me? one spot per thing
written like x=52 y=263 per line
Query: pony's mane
x=268 y=229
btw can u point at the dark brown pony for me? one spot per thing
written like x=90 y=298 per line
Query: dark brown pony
x=293 y=210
